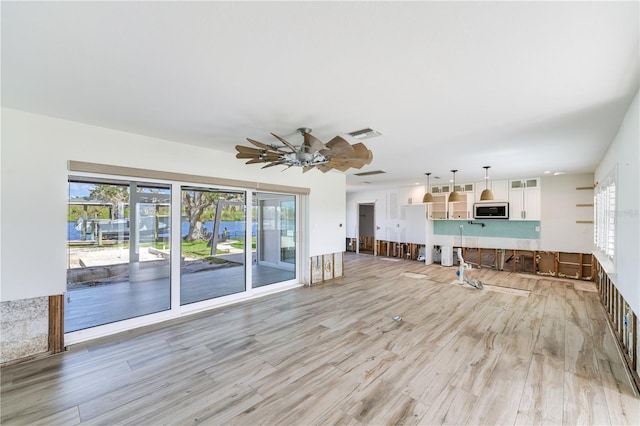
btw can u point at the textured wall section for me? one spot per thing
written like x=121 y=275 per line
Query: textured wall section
x=24 y=328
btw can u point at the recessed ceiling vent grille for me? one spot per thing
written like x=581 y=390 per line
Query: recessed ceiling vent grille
x=365 y=133
x=375 y=172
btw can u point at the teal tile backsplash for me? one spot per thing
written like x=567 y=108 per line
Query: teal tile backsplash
x=497 y=228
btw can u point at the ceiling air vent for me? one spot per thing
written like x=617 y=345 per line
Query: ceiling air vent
x=375 y=172
x=365 y=133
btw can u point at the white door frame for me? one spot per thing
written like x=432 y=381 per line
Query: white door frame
x=366 y=203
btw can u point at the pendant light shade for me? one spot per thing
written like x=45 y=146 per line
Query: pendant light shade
x=454 y=197
x=487 y=194
x=428 y=197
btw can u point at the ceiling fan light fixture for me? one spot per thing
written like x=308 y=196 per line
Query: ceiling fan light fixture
x=428 y=196
x=336 y=154
x=487 y=194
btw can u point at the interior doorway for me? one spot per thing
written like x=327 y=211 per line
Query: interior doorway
x=366 y=228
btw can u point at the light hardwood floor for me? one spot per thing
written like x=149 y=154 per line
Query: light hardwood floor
x=525 y=350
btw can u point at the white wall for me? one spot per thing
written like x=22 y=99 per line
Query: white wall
x=395 y=219
x=327 y=217
x=624 y=155
x=558 y=228
x=35 y=150
x=380 y=198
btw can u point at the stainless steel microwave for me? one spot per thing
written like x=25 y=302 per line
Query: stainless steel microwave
x=491 y=211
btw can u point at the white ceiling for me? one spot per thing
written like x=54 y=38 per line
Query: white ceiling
x=525 y=87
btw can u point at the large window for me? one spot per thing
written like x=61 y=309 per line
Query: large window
x=119 y=250
x=605 y=216
x=136 y=248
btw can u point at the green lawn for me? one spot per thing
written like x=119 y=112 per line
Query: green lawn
x=197 y=249
x=200 y=249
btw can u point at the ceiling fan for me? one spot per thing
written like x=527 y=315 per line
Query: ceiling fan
x=336 y=154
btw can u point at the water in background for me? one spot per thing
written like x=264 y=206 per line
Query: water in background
x=234 y=229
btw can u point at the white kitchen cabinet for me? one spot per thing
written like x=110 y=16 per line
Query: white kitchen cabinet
x=465 y=187
x=442 y=209
x=438 y=209
x=524 y=199
x=500 y=189
x=461 y=209
x=440 y=189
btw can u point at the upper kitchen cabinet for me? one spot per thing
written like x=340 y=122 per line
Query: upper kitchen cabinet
x=524 y=199
x=443 y=209
x=500 y=189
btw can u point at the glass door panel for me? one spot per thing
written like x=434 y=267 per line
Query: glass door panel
x=275 y=219
x=213 y=244
x=118 y=263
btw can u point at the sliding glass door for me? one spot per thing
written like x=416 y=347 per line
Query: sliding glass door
x=121 y=248
x=118 y=263
x=213 y=244
x=275 y=218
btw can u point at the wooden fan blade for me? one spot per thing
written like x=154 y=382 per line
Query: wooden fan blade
x=312 y=143
x=248 y=152
x=362 y=152
x=262 y=145
x=339 y=165
x=305 y=169
x=248 y=149
x=360 y=156
x=256 y=161
x=291 y=147
x=275 y=163
x=324 y=168
x=247 y=155
x=337 y=146
x=351 y=160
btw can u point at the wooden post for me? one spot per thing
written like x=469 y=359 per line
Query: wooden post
x=56 y=323
x=634 y=340
x=83 y=237
x=621 y=304
x=157 y=224
x=580 y=269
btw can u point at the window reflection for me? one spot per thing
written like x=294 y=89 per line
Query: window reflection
x=118 y=264
x=275 y=218
x=213 y=244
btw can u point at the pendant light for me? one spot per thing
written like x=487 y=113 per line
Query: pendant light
x=487 y=194
x=428 y=197
x=454 y=197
